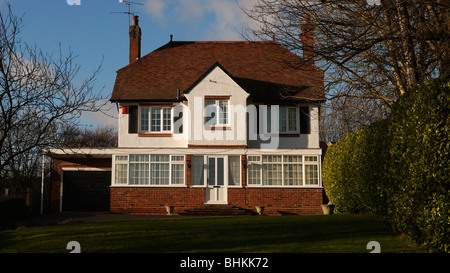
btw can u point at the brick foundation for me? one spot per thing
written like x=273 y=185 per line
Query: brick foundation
x=276 y=201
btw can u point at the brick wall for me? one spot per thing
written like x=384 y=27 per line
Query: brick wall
x=276 y=201
x=152 y=200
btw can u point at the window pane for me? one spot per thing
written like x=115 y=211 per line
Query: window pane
x=121 y=158
x=212 y=171
x=167 y=119
x=252 y=158
x=223 y=114
x=220 y=171
x=139 y=173
x=254 y=174
x=292 y=119
x=234 y=171
x=121 y=174
x=159 y=158
x=292 y=158
x=210 y=113
x=312 y=175
x=293 y=174
x=177 y=158
x=271 y=158
x=139 y=158
x=197 y=170
x=159 y=174
x=156 y=119
x=177 y=174
x=311 y=158
x=144 y=119
x=272 y=174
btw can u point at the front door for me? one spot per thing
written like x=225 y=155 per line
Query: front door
x=216 y=190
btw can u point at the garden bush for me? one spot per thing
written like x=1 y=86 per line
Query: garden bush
x=399 y=167
x=419 y=165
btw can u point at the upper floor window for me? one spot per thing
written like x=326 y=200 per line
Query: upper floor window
x=156 y=119
x=216 y=111
x=288 y=119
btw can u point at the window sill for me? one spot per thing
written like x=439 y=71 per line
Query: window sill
x=154 y=134
x=218 y=128
x=147 y=186
x=284 y=187
x=283 y=135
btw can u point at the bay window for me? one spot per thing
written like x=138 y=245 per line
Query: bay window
x=283 y=170
x=153 y=170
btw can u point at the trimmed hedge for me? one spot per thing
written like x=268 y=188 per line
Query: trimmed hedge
x=354 y=171
x=399 y=167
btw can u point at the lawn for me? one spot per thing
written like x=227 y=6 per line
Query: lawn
x=283 y=234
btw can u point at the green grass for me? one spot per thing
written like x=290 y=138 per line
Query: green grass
x=286 y=234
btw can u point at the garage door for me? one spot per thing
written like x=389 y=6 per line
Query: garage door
x=86 y=190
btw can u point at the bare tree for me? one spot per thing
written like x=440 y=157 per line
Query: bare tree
x=37 y=95
x=371 y=52
x=96 y=137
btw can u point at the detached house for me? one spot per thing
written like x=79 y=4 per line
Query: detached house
x=204 y=123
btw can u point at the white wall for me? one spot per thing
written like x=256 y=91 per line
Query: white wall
x=217 y=83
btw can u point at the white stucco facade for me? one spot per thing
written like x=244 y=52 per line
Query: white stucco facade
x=217 y=84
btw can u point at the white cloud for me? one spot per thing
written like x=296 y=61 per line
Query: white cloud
x=107 y=117
x=225 y=17
x=155 y=8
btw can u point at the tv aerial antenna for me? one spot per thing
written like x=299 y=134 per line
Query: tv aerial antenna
x=129 y=3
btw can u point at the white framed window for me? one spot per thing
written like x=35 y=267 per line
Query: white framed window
x=197 y=170
x=121 y=170
x=234 y=171
x=139 y=170
x=283 y=170
x=293 y=170
x=311 y=170
x=272 y=170
x=151 y=170
x=254 y=170
x=287 y=117
x=154 y=119
x=159 y=169
x=177 y=170
x=216 y=112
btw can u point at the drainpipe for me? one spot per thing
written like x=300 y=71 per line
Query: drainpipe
x=42 y=183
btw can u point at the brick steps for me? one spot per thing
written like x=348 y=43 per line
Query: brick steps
x=216 y=210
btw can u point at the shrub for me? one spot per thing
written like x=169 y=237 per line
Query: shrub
x=399 y=167
x=419 y=170
x=354 y=171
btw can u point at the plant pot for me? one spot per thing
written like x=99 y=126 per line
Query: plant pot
x=169 y=209
x=327 y=209
x=259 y=209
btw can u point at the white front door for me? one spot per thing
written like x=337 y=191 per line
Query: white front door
x=216 y=186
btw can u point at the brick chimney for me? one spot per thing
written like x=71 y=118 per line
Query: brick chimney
x=135 y=40
x=307 y=38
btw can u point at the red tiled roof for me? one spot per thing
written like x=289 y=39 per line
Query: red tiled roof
x=264 y=69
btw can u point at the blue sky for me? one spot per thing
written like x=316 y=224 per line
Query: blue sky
x=95 y=34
